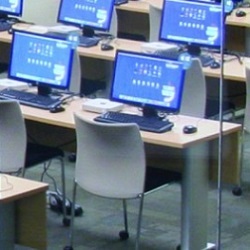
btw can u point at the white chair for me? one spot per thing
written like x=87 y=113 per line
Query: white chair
x=41 y=12
x=17 y=155
x=245 y=130
x=13 y=138
x=154 y=22
x=195 y=101
x=111 y=163
x=194 y=92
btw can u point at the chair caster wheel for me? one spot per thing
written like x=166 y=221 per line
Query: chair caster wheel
x=124 y=235
x=66 y=222
x=237 y=191
x=68 y=248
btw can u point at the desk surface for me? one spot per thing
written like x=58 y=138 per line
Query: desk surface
x=207 y=129
x=142 y=6
x=238 y=72
x=239 y=21
x=14 y=188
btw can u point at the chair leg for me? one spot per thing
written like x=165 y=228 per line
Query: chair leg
x=138 y=232
x=71 y=234
x=237 y=190
x=125 y=214
x=124 y=235
x=66 y=221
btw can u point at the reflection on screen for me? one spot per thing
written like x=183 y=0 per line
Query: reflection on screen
x=148 y=81
x=11 y=7
x=40 y=59
x=92 y=13
x=191 y=22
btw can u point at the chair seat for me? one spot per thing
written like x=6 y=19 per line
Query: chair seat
x=156 y=177
x=37 y=153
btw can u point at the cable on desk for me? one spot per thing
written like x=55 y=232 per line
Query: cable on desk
x=8 y=186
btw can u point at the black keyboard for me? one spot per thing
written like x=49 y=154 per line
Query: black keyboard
x=206 y=60
x=30 y=99
x=4 y=26
x=145 y=123
x=119 y=2
x=84 y=41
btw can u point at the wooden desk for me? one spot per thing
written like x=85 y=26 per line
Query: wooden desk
x=28 y=199
x=139 y=11
x=195 y=148
x=233 y=70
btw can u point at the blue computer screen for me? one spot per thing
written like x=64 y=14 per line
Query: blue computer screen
x=148 y=81
x=11 y=7
x=96 y=14
x=191 y=22
x=41 y=60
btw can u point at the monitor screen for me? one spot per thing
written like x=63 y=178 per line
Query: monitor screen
x=192 y=23
x=148 y=81
x=11 y=7
x=94 y=14
x=40 y=60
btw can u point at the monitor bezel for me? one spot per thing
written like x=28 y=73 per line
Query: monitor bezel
x=168 y=110
x=83 y=26
x=192 y=44
x=4 y=13
x=36 y=83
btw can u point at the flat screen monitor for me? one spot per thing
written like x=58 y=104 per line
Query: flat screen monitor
x=11 y=7
x=41 y=60
x=148 y=81
x=193 y=23
x=90 y=15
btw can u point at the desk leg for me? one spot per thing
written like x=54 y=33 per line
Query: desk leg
x=194 y=198
x=7 y=226
x=247 y=41
x=31 y=222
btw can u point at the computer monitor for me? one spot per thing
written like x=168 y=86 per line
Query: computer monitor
x=148 y=81
x=10 y=7
x=193 y=23
x=41 y=60
x=89 y=15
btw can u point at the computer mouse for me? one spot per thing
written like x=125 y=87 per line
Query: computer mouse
x=57 y=109
x=189 y=129
x=106 y=46
x=240 y=13
x=215 y=65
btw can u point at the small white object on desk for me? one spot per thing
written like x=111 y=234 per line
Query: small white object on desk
x=38 y=29
x=64 y=29
x=101 y=105
x=9 y=83
x=153 y=47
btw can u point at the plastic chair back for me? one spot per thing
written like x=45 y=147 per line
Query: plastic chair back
x=110 y=159
x=12 y=137
x=194 y=92
x=247 y=108
x=154 y=23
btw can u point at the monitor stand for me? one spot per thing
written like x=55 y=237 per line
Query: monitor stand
x=149 y=112
x=43 y=90
x=194 y=50
x=88 y=38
